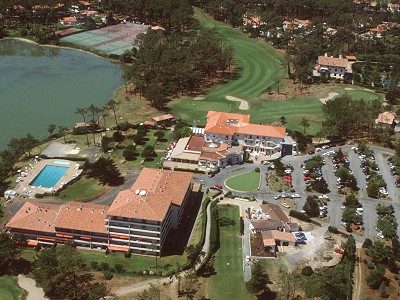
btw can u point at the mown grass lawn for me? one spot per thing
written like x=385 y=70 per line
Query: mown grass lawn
x=84 y=188
x=228 y=282
x=359 y=93
x=136 y=264
x=9 y=289
x=245 y=182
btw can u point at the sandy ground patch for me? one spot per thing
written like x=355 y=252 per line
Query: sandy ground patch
x=29 y=285
x=330 y=96
x=244 y=105
x=315 y=250
x=198 y=98
x=349 y=89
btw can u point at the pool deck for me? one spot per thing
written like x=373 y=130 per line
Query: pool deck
x=23 y=188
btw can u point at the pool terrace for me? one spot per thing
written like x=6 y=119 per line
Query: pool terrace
x=31 y=177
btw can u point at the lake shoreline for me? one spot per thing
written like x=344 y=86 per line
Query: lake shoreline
x=25 y=40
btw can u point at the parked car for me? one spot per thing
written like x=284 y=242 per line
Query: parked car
x=295 y=196
x=284 y=204
x=340 y=251
x=218 y=186
x=329 y=238
x=379 y=234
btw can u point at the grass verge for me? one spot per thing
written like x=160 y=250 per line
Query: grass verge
x=228 y=282
x=9 y=289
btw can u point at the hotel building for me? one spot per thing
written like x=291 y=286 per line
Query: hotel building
x=139 y=219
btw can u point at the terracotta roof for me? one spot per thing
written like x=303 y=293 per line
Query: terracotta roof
x=229 y=124
x=275 y=212
x=263 y=130
x=217 y=122
x=332 y=61
x=35 y=216
x=152 y=194
x=386 y=117
x=82 y=216
x=351 y=57
x=163 y=118
x=195 y=143
x=278 y=235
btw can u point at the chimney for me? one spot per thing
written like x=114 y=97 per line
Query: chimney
x=326 y=55
x=340 y=56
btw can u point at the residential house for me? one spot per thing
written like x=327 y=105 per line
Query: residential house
x=393 y=7
x=138 y=220
x=69 y=21
x=236 y=130
x=331 y=67
x=386 y=119
x=272 y=239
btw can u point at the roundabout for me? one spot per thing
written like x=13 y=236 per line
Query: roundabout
x=245 y=182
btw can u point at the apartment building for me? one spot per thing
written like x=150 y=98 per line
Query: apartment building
x=139 y=219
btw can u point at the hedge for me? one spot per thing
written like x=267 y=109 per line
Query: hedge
x=299 y=215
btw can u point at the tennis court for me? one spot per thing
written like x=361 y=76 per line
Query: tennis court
x=110 y=40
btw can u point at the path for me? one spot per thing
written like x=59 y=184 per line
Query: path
x=358 y=276
x=29 y=285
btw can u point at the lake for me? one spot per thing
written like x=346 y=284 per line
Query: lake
x=41 y=85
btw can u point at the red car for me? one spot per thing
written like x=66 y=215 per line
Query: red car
x=356 y=227
x=340 y=251
x=306 y=178
x=218 y=186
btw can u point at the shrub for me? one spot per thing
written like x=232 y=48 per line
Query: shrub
x=299 y=215
x=128 y=254
x=370 y=265
x=333 y=229
x=94 y=265
x=257 y=170
x=108 y=275
x=119 y=268
x=367 y=243
x=104 y=266
x=124 y=126
x=307 y=271
x=107 y=252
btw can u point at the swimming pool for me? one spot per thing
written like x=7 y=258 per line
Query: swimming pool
x=49 y=176
x=61 y=162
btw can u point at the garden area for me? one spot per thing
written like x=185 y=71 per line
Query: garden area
x=245 y=182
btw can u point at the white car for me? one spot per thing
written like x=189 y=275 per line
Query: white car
x=294 y=153
x=305 y=172
x=379 y=234
x=325 y=147
x=318 y=149
x=344 y=224
x=323 y=197
x=247 y=258
x=295 y=196
x=343 y=207
x=284 y=204
x=360 y=209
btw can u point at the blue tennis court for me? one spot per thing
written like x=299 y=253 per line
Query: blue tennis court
x=49 y=176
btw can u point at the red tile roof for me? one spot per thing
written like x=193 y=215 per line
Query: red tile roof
x=278 y=235
x=82 y=216
x=163 y=118
x=151 y=195
x=35 y=216
x=332 y=61
x=229 y=124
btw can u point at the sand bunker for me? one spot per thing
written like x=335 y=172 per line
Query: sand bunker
x=349 y=89
x=244 y=105
x=198 y=98
x=330 y=96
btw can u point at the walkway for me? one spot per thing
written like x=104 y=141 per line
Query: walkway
x=29 y=285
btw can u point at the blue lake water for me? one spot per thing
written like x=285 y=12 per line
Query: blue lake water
x=41 y=85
